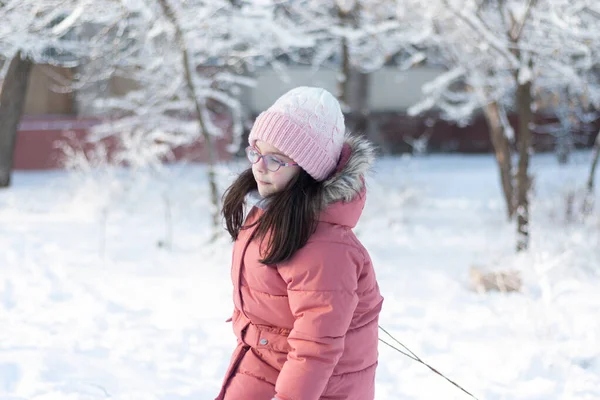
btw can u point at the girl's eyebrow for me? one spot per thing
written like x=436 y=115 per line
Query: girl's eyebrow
x=273 y=154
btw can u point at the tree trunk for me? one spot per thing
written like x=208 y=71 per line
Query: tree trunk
x=353 y=85
x=356 y=95
x=349 y=80
x=524 y=100
x=200 y=112
x=345 y=20
x=595 y=157
x=588 y=203
x=12 y=105
x=503 y=155
x=343 y=77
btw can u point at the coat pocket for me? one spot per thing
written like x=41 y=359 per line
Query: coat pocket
x=270 y=338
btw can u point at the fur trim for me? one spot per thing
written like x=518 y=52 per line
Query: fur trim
x=349 y=182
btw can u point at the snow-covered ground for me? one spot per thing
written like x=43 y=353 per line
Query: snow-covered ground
x=94 y=304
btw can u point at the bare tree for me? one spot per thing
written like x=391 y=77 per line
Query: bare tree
x=12 y=103
x=574 y=115
x=595 y=157
x=496 y=118
x=30 y=33
x=354 y=38
x=198 y=106
x=352 y=84
x=589 y=200
x=499 y=53
x=186 y=63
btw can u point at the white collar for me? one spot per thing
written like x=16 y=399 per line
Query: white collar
x=254 y=199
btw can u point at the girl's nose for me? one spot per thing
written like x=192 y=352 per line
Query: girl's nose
x=261 y=165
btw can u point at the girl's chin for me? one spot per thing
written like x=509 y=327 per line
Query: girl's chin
x=265 y=190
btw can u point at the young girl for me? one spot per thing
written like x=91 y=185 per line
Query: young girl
x=306 y=299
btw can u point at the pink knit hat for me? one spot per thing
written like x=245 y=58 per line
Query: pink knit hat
x=307 y=125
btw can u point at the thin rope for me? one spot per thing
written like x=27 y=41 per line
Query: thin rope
x=416 y=358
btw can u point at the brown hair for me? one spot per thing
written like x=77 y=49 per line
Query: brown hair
x=288 y=221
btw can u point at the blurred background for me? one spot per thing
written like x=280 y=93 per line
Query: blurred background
x=122 y=122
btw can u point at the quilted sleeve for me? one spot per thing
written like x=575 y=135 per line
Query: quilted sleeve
x=322 y=280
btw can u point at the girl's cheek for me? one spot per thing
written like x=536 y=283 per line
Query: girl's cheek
x=276 y=181
x=277 y=177
x=281 y=178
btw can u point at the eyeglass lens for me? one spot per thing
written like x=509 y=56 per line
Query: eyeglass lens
x=272 y=163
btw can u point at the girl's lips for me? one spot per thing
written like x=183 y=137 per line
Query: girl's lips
x=263 y=183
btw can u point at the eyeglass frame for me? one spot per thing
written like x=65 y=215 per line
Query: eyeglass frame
x=263 y=156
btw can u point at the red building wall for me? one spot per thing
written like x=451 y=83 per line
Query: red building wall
x=39 y=137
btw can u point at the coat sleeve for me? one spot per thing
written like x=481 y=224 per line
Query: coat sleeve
x=322 y=281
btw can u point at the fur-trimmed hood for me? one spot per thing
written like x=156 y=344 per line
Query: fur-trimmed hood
x=344 y=193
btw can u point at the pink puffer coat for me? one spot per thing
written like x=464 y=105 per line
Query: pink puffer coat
x=307 y=329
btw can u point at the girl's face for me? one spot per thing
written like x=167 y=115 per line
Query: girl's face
x=270 y=182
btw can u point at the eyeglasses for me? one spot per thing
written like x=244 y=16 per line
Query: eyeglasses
x=272 y=163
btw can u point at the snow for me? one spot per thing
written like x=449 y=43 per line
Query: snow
x=490 y=37
x=554 y=48
x=423 y=105
x=509 y=132
x=346 y=5
x=93 y=305
x=69 y=21
x=442 y=81
x=517 y=11
x=525 y=75
x=413 y=60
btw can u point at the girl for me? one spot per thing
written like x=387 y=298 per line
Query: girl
x=306 y=299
